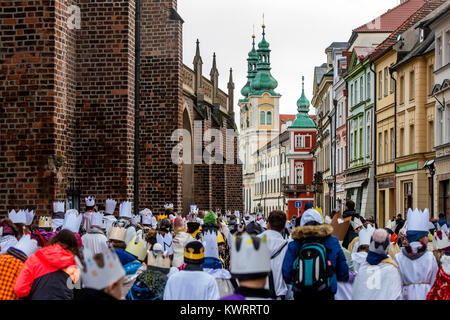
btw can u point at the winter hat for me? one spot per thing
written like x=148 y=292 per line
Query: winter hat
x=194 y=252
x=310 y=215
x=309 y=205
x=210 y=217
x=178 y=224
x=379 y=242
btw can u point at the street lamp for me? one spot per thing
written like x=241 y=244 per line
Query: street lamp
x=429 y=164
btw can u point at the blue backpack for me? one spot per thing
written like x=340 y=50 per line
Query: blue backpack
x=312 y=269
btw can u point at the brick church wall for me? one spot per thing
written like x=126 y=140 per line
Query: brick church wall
x=161 y=104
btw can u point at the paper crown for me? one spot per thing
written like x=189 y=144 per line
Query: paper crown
x=97 y=219
x=58 y=206
x=102 y=269
x=366 y=234
x=136 y=218
x=209 y=241
x=194 y=252
x=391 y=225
x=418 y=220
x=440 y=240
x=90 y=201
x=45 y=222
x=125 y=209
x=110 y=206
x=168 y=206
x=157 y=258
x=165 y=241
x=356 y=223
x=29 y=217
x=118 y=231
x=72 y=220
x=147 y=216
x=27 y=245
x=18 y=217
x=138 y=246
x=249 y=255
x=193 y=209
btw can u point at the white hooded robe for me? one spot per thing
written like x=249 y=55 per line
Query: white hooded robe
x=377 y=282
x=191 y=285
x=417 y=275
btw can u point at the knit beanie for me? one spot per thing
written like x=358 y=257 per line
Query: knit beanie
x=178 y=224
x=380 y=242
x=210 y=217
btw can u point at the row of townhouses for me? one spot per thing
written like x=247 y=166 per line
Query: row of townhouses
x=382 y=103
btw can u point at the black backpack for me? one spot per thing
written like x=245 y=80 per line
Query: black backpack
x=312 y=269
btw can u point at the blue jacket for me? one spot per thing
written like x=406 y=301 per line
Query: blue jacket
x=334 y=252
x=441 y=222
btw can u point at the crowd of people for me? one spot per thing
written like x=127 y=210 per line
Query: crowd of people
x=110 y=254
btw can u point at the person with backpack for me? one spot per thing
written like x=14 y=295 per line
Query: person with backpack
x=278 y=247
x=314 y=248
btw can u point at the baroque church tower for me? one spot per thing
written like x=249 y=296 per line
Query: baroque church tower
x=259 y=114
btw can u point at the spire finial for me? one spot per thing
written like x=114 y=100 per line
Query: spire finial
x=263 y=27
x=303 y=84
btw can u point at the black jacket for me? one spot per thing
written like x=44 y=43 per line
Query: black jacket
x=92 y=294
x=351 y=234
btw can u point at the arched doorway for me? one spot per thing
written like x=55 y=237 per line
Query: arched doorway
x=188 y=168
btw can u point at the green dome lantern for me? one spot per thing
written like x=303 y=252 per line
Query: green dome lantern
x=251 y=73
x=263 y=81
x=303 y=120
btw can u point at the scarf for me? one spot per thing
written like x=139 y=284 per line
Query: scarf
x=18 y=254
x=212 y=263
x=374 y=258
x=414 y=250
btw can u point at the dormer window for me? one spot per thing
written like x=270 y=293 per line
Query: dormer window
x=421 y=35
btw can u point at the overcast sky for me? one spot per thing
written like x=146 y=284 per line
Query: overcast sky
x=298 y=32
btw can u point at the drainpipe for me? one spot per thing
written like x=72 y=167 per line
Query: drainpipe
x=374 y=162
x=391 y=72
x=136 y=103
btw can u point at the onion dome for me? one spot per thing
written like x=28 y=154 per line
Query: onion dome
x=303 y=120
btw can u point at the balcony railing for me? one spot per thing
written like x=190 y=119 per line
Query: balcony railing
x=299 y=188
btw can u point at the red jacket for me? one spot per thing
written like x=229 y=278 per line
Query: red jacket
x=44 y=275
x=441 y=287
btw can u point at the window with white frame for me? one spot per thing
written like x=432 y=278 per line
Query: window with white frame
x=369 y=132
x=262 y=117
x=361 y=88
x=299 y=141
x=392 y=144
x=368 y=93
x=299 y=173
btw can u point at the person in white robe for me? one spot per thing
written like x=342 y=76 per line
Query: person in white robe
x=95 y=240
x=108 y=217
x=417 y=265
x=179 y=242
x=277 y=246
x=213 y=265
x=192 y=283
x=378 y=278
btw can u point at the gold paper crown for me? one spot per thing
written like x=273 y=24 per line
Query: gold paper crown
x=45 y=222
x=118 y=233
x=137 y=247
x=189 y=253
x=157 y=258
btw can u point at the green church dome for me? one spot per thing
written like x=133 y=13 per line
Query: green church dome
x=252 y=62
x=263 y=81
x=303 y=120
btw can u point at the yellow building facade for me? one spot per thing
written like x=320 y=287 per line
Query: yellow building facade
x=415 y=127
x=385 y=115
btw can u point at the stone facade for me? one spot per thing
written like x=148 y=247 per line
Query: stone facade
x=68 y=108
